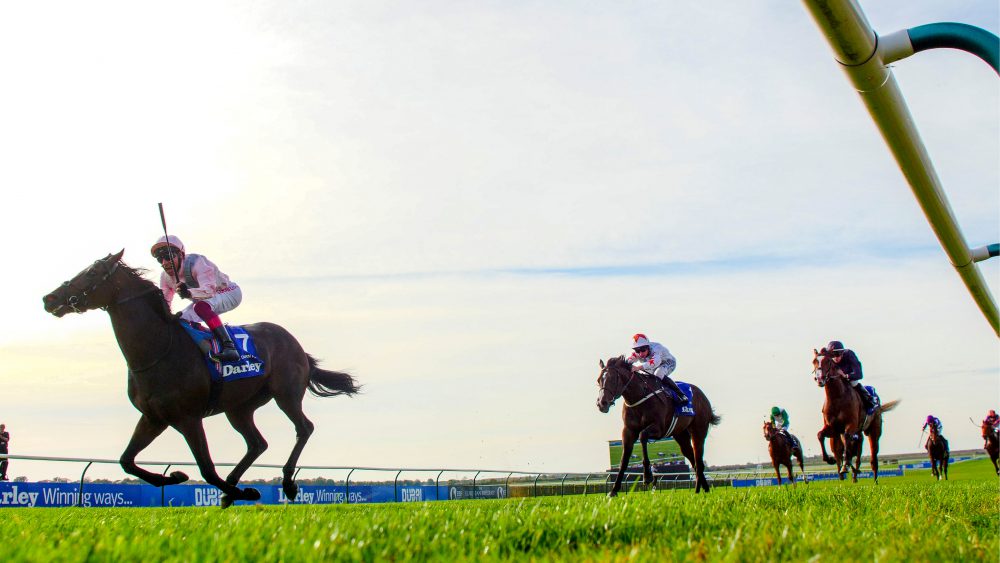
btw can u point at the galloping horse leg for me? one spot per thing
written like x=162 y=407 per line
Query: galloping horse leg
x=873 y=436
x=791 y=476
x=242 y=421
x=628 y=441
x=777 y=468
x=698 y=443
x=683 y=440
x=145 y=432
x=825 y=433
x=194 y=433
x=799 y=455
x=303 y=429
x=647 y=472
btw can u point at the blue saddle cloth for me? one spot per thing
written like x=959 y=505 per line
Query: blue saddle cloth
x=686 y=409
x=249 y=364
x=876 y=400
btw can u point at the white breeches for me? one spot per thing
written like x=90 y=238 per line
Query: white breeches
x=221 y=302
x=665 y=369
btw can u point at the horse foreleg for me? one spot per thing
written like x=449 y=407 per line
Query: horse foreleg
x=777 y=469
x=824 y=433
x=791 y=475
x=242 y=422
x=628 y=441
x=647 y=471
x=145 y=432
x=194 y=433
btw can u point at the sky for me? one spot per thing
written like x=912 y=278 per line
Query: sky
x=468 y=204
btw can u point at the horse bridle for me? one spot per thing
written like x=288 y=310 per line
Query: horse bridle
x=78 y=304
x=604 y=379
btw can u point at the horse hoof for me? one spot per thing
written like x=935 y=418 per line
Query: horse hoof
x=177 y=477
x=290 y=489
x=250 y=493
x=225 y=501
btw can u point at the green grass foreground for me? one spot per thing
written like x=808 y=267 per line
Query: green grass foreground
x=909 y=518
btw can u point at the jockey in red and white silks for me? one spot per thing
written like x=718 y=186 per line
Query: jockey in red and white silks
x=654 y=358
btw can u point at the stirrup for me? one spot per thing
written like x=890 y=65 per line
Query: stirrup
x=227 y=354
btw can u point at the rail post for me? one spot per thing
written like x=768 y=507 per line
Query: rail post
x=474 y=477
x=437 y=485
x=562 y=485
x=394 y=481
x=585 y=483
x=534 y=486
x=506 y=485
x=347 y=487
x=79 y=497
x=163 y=490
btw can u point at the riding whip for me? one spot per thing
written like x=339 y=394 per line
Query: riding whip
x=163 y=221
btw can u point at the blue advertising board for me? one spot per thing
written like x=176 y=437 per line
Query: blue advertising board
x=115 y=495
x=831 y=476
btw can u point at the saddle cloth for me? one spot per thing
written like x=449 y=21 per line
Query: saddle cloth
x=249 y=364
x=686 y=409
x=876 y=400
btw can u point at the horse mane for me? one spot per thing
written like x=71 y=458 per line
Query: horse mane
x=155 y=296
x=620 y=360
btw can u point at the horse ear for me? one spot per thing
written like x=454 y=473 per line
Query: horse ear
x=602 y=364
x=815 y=352
x=116 y=257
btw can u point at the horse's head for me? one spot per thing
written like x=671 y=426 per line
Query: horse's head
x=87 y=290
x=615 y=376
x=768 y=429
x=823 y=367
x=988 y=431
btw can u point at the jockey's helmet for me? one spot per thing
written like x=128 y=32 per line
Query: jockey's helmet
x=930 y=418
x=992 y=413
x=775 y=411
x=164 y=242
x=639 y=340
x=835 y=346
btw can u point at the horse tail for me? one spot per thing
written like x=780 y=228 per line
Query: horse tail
x=327 y=383
x=886 y=407
x=715 y=420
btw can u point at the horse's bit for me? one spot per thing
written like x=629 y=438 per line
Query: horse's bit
x=79 y=304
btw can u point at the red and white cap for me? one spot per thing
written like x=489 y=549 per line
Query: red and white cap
x=639 y=340
x=167 y=241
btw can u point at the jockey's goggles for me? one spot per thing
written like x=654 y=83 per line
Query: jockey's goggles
x=642 y=350
x=165 y=253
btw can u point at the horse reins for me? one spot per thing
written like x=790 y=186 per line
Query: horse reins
x=74 y=301
x=624 y=387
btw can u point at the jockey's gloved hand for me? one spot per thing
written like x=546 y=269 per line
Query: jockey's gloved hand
x=183 y=291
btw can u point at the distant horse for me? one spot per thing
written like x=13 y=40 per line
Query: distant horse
x=992 y=444
x=169 y=383
x=845 y=418
x=782 y=449
x=649 y=415
x=937 y=449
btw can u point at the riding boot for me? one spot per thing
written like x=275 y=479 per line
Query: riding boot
x=669 y=384
x=228 y=352
x=866 y=398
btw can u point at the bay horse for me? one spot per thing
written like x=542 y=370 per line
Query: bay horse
x=782 y=448
x=937 y=449
x=169 y=382
x=992 y=444
x=845 y=419
x=649 y=415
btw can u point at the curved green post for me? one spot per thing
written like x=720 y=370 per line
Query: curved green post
x=950 y=35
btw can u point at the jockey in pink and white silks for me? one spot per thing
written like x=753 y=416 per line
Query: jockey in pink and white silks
x=195 y=277
x=655 y=359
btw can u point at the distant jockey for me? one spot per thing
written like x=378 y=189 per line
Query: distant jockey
x=780 y=420
x=847 y=361
x=655 y=359
x=935 y=425
x=195 y=277
x=992 y=422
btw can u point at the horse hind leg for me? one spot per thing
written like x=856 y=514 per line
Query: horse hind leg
x=292 y=408
x=194 y=433
x=698 y=444
x=145 y=432
x=684 y=442
x=242 y=421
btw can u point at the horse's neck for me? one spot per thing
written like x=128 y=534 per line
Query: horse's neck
x=140 y=329
x=637 y=390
